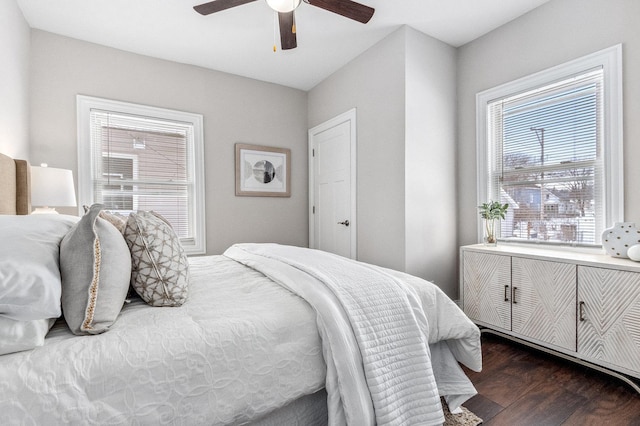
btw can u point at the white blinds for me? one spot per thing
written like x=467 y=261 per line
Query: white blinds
x=141 y=163
x=546 y=160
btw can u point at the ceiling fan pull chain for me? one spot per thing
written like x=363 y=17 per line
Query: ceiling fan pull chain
x=275 y=30
x=293 y=26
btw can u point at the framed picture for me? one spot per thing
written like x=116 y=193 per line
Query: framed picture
x=263 y=171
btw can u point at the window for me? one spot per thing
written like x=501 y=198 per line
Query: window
x=135 y=157
x=550 y=145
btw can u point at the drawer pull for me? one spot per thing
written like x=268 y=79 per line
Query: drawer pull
x=506 y=289
x=581 y=310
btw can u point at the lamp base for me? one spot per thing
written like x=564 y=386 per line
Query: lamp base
x=44 y=210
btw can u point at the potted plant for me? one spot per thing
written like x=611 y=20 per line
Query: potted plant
x=491 y=212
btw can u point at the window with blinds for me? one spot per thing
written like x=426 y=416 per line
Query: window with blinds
x=548 y=163
x=141 y=158
x=550 y=153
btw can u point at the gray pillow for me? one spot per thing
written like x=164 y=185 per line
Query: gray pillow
x=116 y=219
x=95 y=267
x=159 y=265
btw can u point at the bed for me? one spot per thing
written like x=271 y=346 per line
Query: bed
x=266 y=334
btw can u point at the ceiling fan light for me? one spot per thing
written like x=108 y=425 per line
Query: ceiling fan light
x=283 y=6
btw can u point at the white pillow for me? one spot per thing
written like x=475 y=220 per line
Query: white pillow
x=16 y=336
x=30 y=285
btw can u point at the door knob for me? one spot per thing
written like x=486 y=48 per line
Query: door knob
x=345 y=223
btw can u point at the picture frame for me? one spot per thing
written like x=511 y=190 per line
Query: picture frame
x=262 y=171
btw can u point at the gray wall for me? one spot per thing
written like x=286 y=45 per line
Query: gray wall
x=235 y=109
x=14 y=81
x=404 y=91
x=554 y=33
x=430 y=161
x=373 y=83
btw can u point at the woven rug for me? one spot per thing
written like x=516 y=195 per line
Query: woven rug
x=466 y=418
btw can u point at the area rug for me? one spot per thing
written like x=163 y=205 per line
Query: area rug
x=466 y=418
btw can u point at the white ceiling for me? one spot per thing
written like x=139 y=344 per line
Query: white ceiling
x=240 y=40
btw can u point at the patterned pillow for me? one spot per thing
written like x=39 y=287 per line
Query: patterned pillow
x=95 y=267
x=160 y=269
x=115 y=219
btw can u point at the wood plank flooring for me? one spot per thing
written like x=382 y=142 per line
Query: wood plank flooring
x=520 y=386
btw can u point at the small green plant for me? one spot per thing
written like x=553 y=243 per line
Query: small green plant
x=491 y=212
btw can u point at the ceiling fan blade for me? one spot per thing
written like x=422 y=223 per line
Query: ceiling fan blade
x=347 y=8
x=287 y=34
x=218 y=5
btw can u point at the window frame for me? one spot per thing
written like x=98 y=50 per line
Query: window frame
x=610 y=60
x=195 y=157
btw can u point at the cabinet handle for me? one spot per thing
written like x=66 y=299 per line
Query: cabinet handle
x=581 y=310
x=506 y=297
x=513 y=296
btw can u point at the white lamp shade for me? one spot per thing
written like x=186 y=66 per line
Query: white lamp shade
x=52 y=187
x=283 y=6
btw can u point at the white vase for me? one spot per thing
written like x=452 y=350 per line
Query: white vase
x=634 y=253
x=617 y=239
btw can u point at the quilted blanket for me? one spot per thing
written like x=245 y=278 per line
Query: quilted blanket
x=376 y=326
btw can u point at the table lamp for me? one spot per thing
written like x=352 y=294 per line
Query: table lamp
x=51 y=187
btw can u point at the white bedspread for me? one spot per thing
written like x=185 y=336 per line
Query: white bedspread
x=240 y=347
x=227 y=356
x=376 y=326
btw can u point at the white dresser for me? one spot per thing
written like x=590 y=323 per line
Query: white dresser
x=583 y=305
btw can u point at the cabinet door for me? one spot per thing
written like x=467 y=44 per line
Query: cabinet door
x=609 y=323
x=486 y=281
x=544 y=301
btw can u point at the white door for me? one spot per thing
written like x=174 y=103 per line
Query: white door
x=332 y=185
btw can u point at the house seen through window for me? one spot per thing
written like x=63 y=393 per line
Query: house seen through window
x=117 y=196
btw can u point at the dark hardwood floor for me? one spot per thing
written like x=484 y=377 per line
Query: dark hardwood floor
x=520 y=386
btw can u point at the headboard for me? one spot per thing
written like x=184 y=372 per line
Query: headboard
x=15 y=186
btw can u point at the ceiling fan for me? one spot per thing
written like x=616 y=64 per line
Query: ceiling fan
x=285 y=9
